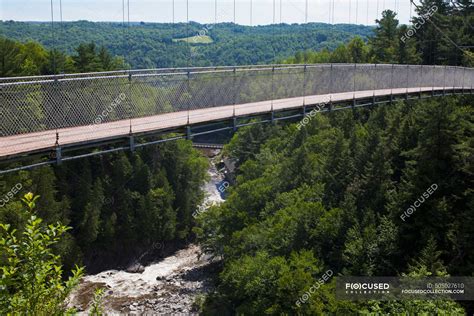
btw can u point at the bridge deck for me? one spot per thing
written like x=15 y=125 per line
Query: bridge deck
x=31 y=142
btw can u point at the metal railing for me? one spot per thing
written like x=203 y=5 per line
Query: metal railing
x=32 y=104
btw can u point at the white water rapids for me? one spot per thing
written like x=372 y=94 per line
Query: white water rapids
x=168 y=286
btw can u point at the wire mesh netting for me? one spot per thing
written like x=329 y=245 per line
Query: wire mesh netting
x=32 y=104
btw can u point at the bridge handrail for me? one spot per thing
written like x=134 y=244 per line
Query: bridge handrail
x=38 y=103
x=185 y=70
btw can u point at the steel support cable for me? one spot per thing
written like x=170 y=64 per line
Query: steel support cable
x=433 y=77
x=61 y=27
x=274 y=57
x=378 y=9
x=333 y=11
x=330 y=10
x=187 y=35
x=53 y=36
x=454 y=81
x=251 y=13
x=305 y=55
x=463 y=74
x=130 y=103
x=354 y=83
x=408 y=76
x=189 y=63
x=444 y=80
x=367 y=13
x=350 y=11
x=357 y=12
x=411 y=10
x=421 y=76
x=173 y=33
x=391 y=82
x=234 y=74
x=281 y=10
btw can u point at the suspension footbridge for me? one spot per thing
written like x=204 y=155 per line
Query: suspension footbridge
x=46 y=114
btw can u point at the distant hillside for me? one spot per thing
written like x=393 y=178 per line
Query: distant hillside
x=149 y=45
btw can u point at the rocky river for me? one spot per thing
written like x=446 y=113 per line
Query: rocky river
x=171 y=285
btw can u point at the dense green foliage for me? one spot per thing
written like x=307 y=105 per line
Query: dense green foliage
x=30 y=59
x=150 y=45
x=326 y=197
x=31 y=281
x=442 y=36
x=330 y=196
x=118 y=205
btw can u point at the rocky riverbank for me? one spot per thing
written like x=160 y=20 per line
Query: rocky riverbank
x=173 y=285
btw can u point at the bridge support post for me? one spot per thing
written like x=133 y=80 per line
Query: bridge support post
x=188 y=132
x=273 y=117
x=234 y=121
x=131 y=140
x=354 y=103
x=58 y=155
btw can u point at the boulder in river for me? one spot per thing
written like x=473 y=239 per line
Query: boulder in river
x=135 y=268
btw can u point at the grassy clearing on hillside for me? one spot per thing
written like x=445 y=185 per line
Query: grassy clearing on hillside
x=197 y=39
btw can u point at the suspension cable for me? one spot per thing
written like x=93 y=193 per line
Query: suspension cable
x=378 y=9
x=128 y=36
x=187 y=35
x=332 y=11
x=367 y=23
x=61 y=28
x=129 y=68
x=173 y=35
x=357 y=11
x=350 y=10
x=281 y=6
x=53 y=36
x=274 y=57
x=411 y=10
x=305 y=54
x=235 y=29
x=123 y=29
x=251 y=5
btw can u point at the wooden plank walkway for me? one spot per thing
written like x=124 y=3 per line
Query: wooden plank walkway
x=25 y=143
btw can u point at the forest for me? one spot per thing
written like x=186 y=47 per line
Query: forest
x=330 y=197
x=325 y=197
x=155 y=45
